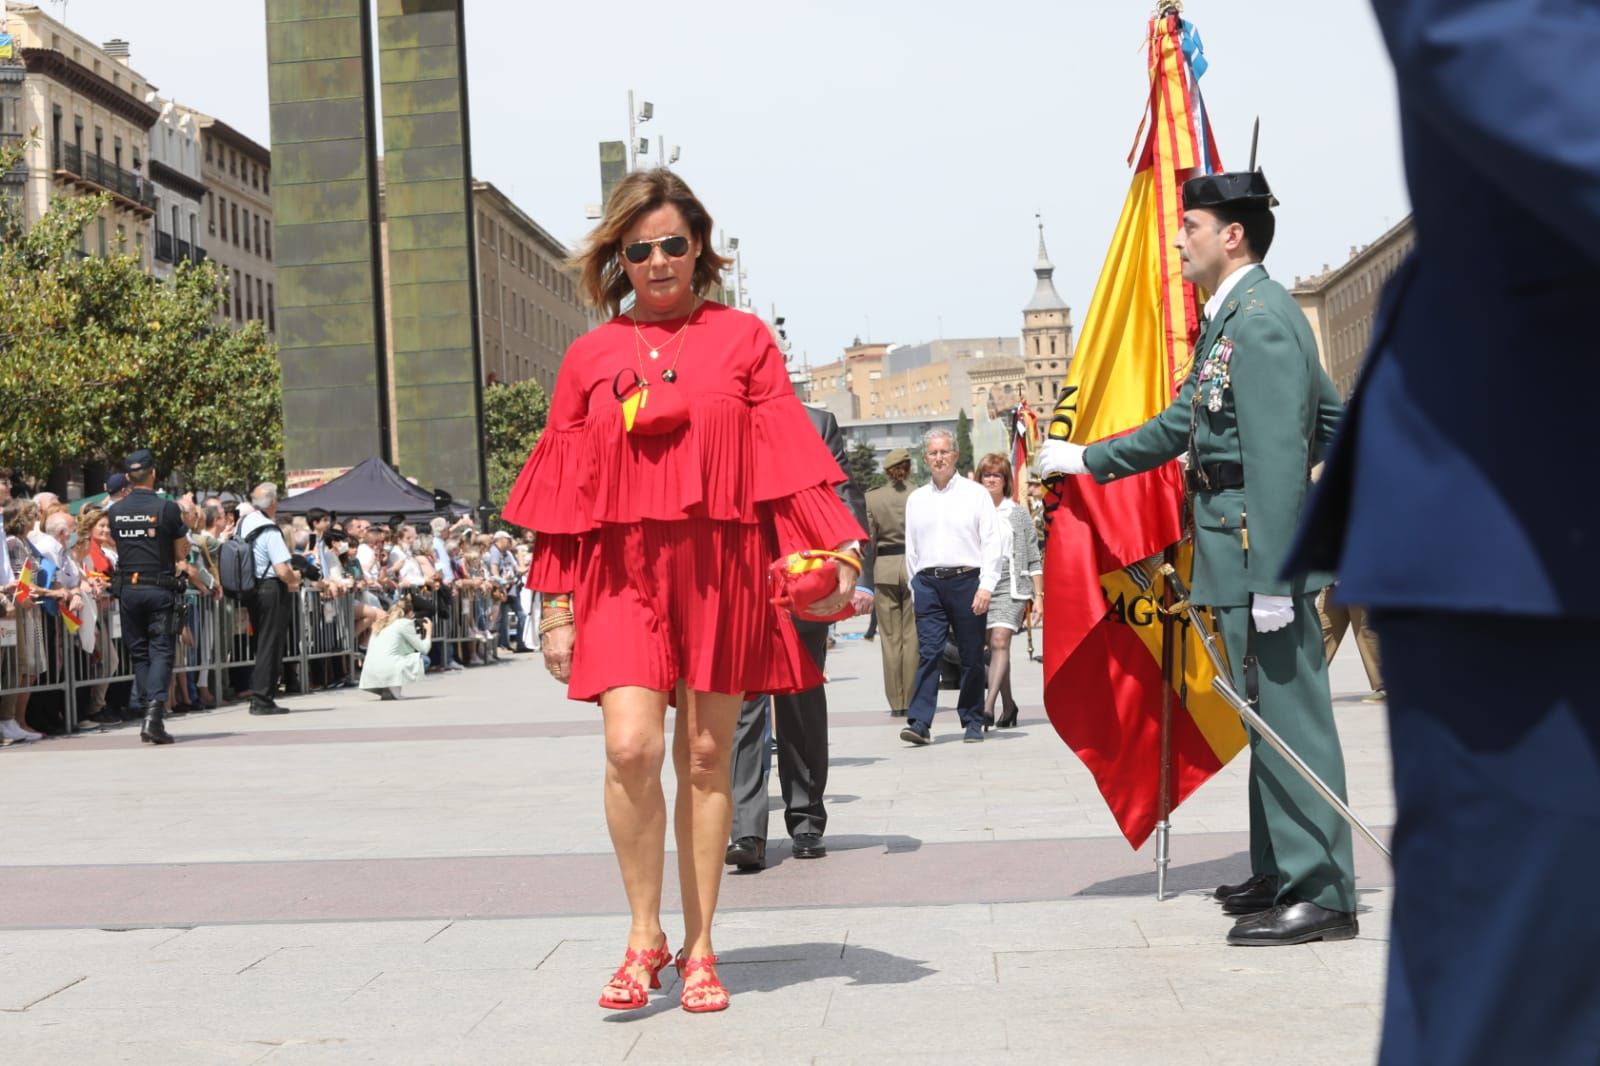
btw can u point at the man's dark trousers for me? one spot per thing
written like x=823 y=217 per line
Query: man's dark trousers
x=269 y=616
x=802 y=724
x=145 y=613
x=944 y=608
x=1494 y=725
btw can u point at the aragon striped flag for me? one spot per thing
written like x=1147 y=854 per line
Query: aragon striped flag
x=1103 y=636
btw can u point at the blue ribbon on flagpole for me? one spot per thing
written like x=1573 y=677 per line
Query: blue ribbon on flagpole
x=1193 y=50
x=1194 y=53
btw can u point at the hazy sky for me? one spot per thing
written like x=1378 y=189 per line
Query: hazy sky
x=881 y=161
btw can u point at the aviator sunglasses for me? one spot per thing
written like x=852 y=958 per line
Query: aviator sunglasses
x=676 y=247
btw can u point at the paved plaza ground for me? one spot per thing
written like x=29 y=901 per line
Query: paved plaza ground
x=431 y=881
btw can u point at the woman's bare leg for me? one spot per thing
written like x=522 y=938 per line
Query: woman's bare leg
x=636 y=810
x=702 y=754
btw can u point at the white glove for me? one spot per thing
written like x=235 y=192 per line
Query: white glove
x=1061 y=457
x=1271 y=613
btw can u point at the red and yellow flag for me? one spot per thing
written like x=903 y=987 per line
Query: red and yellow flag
x=25 y=582
x=1024 y=445
x=1103 y=636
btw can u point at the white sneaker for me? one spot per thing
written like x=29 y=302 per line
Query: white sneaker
x=12 y=731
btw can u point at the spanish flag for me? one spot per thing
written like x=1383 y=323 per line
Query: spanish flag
x=25 y=581
x=72 y=621
x=1024 y=445
x=1103 y=635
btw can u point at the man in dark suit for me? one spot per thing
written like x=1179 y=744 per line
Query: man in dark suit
x=1458 y=504
x=801 y=722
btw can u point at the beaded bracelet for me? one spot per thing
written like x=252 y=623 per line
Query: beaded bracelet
x=555 y=621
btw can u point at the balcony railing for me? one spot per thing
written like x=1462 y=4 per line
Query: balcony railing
x=91 y=168
x=177 y=251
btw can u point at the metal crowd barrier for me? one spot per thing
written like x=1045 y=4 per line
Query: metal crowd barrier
x=39 y=654
x=461 y=619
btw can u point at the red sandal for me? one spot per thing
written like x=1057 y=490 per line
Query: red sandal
x=653 y=960
x=711 y=987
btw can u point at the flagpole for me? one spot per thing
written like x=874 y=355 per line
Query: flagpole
x=1164 y=788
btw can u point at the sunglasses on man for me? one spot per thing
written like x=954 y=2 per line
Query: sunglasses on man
x=676 y=247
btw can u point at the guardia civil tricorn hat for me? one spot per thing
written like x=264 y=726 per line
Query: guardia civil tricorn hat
x=1243 y=188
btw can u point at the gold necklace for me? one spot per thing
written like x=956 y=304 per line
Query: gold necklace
x=670 y=374
x=655 y=350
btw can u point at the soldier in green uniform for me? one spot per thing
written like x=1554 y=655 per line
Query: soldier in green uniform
x=897 y=621
x=1251 y=419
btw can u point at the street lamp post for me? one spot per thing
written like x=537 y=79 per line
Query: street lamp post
x=637 y=145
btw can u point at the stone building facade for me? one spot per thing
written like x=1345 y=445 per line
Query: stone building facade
x=179 y=186
x=237 y=173
x=528 y=305
x=1340 y=303
x=1046 y=335
x=88 y=105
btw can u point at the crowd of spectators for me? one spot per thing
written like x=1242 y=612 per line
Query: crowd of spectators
x=468 y=581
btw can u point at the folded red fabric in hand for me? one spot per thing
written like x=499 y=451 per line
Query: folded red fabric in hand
x=804 y=578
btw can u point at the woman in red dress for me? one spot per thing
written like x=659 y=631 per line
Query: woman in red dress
x=675 y=466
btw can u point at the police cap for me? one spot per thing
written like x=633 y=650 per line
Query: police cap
x=1246 y=188
x=138 y=461
x=116 y=483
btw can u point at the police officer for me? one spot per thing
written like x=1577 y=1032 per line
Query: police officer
x=148 y=532
x=1252 y=418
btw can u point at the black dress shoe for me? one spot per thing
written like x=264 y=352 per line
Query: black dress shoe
x=1295 y=922
x=1255 y=883
x=809 y=846
x=747 y=853
x=1258 y=897
x=268 y=708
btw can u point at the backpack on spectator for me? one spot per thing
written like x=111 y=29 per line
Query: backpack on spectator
x=236 y=563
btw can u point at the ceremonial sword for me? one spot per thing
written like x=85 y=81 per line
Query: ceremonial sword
x=1222 y=684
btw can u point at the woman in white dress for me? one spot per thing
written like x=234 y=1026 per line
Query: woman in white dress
x=396 y=654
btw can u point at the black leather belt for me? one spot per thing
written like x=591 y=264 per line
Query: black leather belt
x=944 y=572
x=888 y=549
x=1215 y=477
x=131 y=578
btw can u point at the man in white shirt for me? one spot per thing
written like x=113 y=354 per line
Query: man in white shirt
x=269 y=605
x=952 y=556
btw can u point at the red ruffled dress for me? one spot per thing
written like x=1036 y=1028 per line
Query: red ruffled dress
x=665 y=540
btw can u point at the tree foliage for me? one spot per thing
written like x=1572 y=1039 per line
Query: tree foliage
x=862 y=461
x=513 y=416
x=101 y=358
x=965 y=460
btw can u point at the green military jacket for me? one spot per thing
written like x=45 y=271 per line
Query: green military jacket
x=886 y=525
x=1257 y=396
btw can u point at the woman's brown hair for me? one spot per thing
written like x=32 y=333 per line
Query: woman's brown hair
x=88 y=518
x=995 y=462
x=601 y=280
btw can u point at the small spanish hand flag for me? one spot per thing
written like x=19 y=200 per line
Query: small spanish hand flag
x=72 y=621
x=25 y=582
